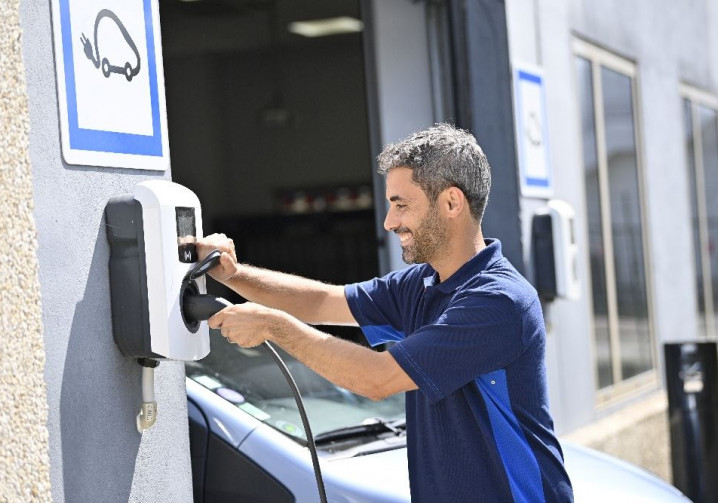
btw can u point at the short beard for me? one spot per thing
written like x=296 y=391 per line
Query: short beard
x=428 y=238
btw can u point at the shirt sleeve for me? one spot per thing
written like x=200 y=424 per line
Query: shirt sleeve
x=376 y=307
x=475 y=335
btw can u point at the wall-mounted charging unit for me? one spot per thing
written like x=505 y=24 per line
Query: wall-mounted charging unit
x=555 y=252
x=152 y=234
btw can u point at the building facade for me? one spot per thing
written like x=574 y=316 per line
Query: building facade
x=275 y=131
x=630 y=92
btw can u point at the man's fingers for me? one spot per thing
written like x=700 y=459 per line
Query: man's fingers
x=232 y=250
x=216 y=320
x=219 y=318
x=226 y=259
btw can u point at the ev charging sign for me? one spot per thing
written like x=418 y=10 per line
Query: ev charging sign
x=532 y=132
x=108 y=59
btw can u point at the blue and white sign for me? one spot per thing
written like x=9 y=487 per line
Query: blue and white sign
x=108 y=58
x=532 y=132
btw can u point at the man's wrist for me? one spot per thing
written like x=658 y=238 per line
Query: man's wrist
x=279 y=326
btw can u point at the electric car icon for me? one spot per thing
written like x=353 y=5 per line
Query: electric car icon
x=128 y=69
x=247 y=442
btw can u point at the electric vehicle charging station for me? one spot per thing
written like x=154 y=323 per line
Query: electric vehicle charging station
x=152 y=234
x=555 y=251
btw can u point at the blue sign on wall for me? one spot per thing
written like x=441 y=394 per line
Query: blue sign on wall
x=110 y=83
x=532 y=132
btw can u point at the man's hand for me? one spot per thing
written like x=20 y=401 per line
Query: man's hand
x=248 y=324
x=303 y=299
x=227 y=266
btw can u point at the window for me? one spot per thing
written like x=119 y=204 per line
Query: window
x=623 y=339
x=701 y=140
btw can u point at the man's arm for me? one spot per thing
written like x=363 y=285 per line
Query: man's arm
x=359 y=369
x=308 y=300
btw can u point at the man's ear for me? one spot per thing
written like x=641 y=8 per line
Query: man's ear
x=455 y=200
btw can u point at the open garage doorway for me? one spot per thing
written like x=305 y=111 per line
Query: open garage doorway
x=268 y=126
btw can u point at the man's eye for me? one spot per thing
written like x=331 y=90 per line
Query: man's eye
x=400 y=206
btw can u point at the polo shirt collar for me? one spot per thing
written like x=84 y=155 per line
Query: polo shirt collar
x=479 y=262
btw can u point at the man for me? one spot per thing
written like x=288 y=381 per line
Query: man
x=469 y=331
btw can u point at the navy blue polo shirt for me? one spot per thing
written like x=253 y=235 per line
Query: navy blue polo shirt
x=478 y=427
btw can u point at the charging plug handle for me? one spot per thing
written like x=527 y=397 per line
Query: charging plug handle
x=203 y=267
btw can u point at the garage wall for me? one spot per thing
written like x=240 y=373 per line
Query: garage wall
x=24 y=468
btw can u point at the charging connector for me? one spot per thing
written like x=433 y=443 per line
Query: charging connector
x=198 y=306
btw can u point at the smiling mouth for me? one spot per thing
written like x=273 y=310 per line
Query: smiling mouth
x=403 y=235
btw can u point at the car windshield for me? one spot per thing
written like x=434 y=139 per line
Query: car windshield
x=251 y=380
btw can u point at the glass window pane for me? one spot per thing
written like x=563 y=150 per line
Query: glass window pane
x=595 y=238
x=695 y=223
x=626 y=226
x=709 y=135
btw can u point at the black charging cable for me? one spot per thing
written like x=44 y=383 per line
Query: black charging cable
x=305 y=421
x=200 y=307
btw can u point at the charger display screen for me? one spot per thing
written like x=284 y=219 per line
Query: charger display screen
x=186 y=235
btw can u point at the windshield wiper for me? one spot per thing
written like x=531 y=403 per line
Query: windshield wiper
x=368 y=427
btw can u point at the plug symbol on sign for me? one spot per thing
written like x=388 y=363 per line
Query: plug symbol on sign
x=127 y=70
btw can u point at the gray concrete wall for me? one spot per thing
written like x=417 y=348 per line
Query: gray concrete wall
x=24 y=467
x=93 y=392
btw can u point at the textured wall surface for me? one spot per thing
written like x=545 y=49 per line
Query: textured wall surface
x=93 y=391
x=24 y=465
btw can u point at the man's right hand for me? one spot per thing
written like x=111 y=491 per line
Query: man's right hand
x=227 y=266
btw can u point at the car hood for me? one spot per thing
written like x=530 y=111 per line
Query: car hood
x=597 y=477
x=384 y=473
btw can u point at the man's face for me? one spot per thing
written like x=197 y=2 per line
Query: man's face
x=413 y=218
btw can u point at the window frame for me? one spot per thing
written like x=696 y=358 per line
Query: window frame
x=621 y=388
x=698 y=97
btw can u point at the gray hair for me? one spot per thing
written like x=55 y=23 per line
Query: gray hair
x=440 y=157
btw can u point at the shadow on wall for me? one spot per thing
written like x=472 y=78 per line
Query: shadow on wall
x=99 y=397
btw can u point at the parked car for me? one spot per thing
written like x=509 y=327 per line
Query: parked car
x=247 y=442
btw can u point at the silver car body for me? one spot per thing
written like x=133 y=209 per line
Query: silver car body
x=377 y=472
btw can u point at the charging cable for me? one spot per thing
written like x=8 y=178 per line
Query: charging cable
x=201 y=307
x=148 y=412
x=303 y=414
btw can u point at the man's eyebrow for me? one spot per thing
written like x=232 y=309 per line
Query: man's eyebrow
x=396 y=198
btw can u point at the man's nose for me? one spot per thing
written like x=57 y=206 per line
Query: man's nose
x=390 y=221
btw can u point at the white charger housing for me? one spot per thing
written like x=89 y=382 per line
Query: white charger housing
x=168 y=210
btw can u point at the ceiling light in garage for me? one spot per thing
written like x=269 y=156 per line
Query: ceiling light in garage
x=325 y=27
